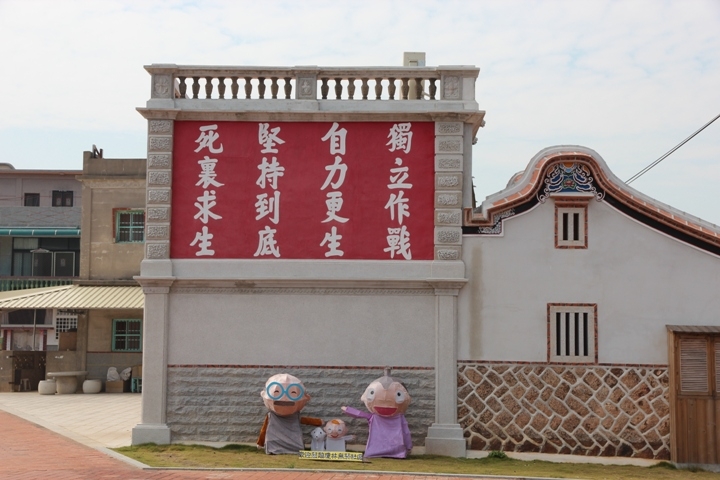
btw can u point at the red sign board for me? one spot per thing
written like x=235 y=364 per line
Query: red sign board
x=348 y=190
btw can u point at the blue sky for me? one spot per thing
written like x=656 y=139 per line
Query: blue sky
x=629 y=79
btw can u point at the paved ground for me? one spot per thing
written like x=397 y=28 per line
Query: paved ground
x=66 y=437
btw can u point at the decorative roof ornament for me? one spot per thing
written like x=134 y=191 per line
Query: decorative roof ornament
x=568 y=178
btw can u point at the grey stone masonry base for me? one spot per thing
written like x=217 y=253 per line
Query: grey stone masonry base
x=151 y=433
x=445 y=440
x=223 y=404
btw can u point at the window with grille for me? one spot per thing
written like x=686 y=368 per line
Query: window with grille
x=129 y=226
x=570 y=227
x=62 y=198
x=32 y=200
x=64 y=322
x=572 y=333
x=127 y=335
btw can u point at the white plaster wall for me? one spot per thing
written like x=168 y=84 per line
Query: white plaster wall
x=640 y=279
x=297 y=329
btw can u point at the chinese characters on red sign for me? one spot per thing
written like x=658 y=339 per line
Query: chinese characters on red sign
x=268 y=190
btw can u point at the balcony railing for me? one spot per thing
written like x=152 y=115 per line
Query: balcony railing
x=21 y=283
x=326 y=83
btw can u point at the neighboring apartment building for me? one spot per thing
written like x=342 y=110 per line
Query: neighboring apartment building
x=40 y=216
x=103 y=304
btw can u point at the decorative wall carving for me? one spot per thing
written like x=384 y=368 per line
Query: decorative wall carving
x=448 y=162
x=157 y=251
x=158 y=213
x=158 y=178
x=158 y=195
x=448 y=145
x=451 y=87
x=159 y=161
x=162 y=86
x=160 y=144
x=158 y=232
x=448 y=199
x=160 y=126
x=447 y=236
x=448 y=128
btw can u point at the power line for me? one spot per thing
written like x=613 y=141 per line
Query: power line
x=646 y=169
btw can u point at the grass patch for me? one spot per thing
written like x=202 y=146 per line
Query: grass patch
x=246 y=456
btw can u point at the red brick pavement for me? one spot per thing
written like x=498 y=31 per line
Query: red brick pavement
x=28 y=451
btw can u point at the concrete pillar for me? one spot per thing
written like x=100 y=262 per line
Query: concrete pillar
x=152 y=426
x=445 y=436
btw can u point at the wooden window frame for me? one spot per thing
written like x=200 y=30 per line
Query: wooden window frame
x=66 y=198
x=591 y=331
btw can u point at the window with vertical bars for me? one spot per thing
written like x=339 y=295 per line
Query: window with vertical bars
x=127 y=335
x=572 y=333
x=570 y=227
x=129 y=226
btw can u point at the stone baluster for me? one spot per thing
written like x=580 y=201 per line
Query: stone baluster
x=288 y=87
x=208 y=87
x=234 y=87
x=261 y=87
x=183 y=87
x=418 y=89
x=351 y=88
x=364 y=88
x=248 y=87
x=378 y=88
x=391 y=89
x=221 y=87
x=274 y=86
x=433 y=88
x=338 y=88
x=404 y=88
x=196 y=86
x=324 y=88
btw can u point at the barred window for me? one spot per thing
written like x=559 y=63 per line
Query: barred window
x=127 y=335
x=129 y=226
x=572 y=332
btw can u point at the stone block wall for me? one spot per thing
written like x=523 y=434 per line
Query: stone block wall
x=223 y=404
x=568 y=409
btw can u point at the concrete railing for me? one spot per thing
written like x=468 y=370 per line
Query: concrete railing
x=21 y=283
x=451 y=83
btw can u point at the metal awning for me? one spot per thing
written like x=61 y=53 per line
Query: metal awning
x=40 y=232
x=74 y=297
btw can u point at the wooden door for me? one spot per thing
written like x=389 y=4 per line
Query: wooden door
x=696 y=407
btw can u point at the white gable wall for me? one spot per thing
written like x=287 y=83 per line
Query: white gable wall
x=640 y=279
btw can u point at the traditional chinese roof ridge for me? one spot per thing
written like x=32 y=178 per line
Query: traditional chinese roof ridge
x=526 y=185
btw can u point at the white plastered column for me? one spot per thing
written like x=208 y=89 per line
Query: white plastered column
x=152 y=427
x=445 y=436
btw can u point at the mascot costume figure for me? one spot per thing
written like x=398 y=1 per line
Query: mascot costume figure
x=284 y=396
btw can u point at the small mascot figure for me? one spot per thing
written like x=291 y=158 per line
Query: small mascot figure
x=387 y=400
x=284 y=396
x=336 y=431
x=317 y=444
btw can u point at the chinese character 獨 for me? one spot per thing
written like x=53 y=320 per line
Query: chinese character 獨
x=268 y=138
x=267 y=245
x=400 y=137
x=207 y=138
x=208 y=201
x=204 y=239
x=337 y=139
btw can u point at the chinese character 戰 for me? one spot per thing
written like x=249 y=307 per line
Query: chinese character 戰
x=268 y=138
x=207 y=138
x=400 y=137
x=398 y=242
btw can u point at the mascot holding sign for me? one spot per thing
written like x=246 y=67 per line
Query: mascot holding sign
x=284 y=396
x=387 y=400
